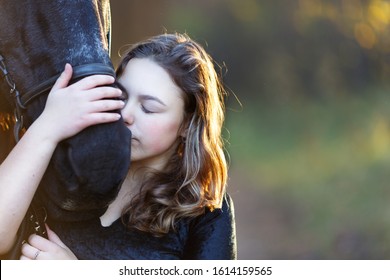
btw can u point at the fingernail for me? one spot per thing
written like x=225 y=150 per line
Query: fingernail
x=66 y=65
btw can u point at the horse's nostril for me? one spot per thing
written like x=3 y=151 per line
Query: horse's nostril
x=81 y=179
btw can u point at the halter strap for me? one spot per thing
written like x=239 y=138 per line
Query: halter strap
x=79 y=72
x=20 y=102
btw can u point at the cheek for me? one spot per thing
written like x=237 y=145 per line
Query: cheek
x=161 y=136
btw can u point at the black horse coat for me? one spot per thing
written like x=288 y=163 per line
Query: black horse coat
x=37 y=38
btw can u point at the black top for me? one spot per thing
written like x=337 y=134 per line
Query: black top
x=209 y=236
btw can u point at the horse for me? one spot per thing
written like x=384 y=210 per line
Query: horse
x=37 y=38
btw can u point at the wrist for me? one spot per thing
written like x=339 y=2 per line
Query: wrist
x=43 y=133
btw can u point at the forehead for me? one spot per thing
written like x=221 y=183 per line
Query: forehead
x=143 y=75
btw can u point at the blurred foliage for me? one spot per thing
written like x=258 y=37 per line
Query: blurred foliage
x=329 y=162
x=280 y=50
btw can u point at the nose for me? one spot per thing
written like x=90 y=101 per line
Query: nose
x=128 y=115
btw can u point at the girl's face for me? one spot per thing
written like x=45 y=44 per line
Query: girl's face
x=154 y=112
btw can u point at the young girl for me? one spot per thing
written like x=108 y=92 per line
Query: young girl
x=173 y=203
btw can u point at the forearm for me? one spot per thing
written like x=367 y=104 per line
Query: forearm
x=20 y=175
x=90 y=102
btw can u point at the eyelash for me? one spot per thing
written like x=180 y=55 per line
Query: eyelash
x=146 y=110
x=125 y=96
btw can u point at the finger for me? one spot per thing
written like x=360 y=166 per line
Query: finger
x=96 y=118
x=35 y=241
x=54 y=237
x=107 y=105
x=64 y=78
x=103 y=93
x=30 y=252
x=94 y=81
x=39 y=242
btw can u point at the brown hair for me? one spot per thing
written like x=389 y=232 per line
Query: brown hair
x=195 y=177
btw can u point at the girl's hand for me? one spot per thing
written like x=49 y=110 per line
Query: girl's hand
x=40 y=248
x=70 y=109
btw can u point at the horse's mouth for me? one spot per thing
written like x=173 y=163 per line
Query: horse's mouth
x=76 y=205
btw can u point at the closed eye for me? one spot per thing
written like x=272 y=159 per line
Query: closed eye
x=146 y=110
x=151 y=104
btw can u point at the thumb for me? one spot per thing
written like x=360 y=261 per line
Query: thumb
x=52 y=236
x=64 y=78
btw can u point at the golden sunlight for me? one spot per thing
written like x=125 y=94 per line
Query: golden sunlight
x=379 y=15
x=5 y=121
x=365 y=35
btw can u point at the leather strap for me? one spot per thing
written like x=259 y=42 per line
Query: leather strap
x=79 y=72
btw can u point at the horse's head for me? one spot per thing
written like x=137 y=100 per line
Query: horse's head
x=37 y=38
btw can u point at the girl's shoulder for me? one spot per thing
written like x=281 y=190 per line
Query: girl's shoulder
x=213 y=234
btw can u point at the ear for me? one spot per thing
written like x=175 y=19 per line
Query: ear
x=183 y=133
x=183 y=130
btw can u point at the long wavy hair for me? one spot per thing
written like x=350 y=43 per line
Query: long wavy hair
x=195 y=176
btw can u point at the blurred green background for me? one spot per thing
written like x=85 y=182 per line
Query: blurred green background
x=308 y=119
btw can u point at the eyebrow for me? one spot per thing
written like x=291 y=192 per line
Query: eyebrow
x=153 y=98
x=142 y=96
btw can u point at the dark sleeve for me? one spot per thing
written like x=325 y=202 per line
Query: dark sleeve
x=212 y=236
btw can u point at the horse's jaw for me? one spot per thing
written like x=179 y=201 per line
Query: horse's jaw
x=84 y=177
